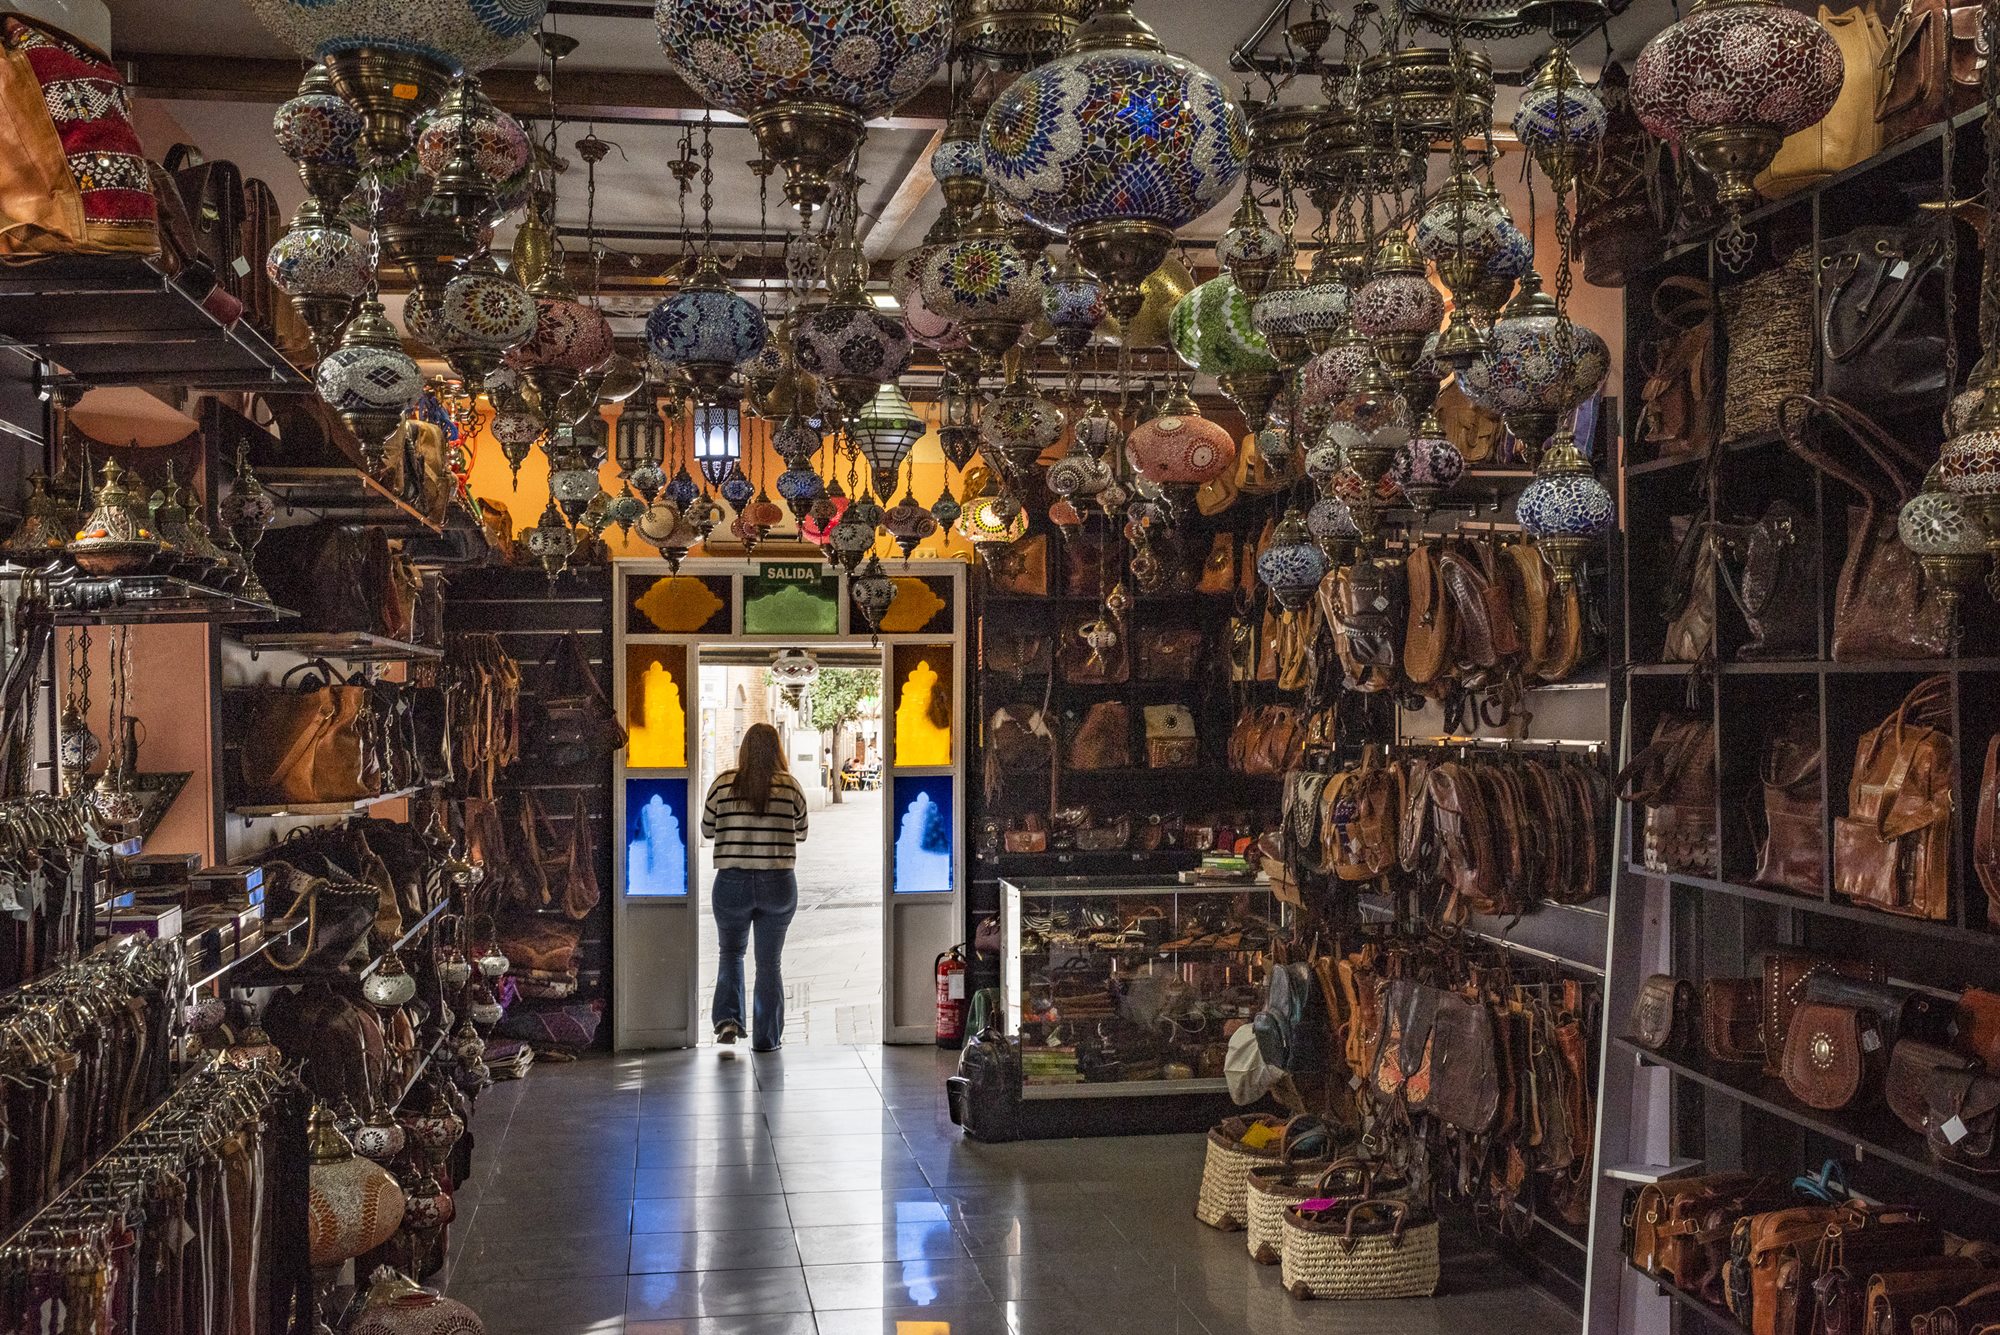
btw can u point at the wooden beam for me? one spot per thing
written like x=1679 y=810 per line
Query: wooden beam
x=903 y=204
x=608 y=97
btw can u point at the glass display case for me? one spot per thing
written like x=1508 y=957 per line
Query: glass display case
x=1116 y=986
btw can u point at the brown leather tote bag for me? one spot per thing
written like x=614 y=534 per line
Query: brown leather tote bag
x=1791 y=853
x=308 y=743
x=1892 y=851
x=1673 y=777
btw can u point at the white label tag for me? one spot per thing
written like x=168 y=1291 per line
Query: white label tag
x=1953 y=1130
x=1899 y=271
x=1354 y=1082
x=242 y=266
x=954 y=987
x=1870 y=1040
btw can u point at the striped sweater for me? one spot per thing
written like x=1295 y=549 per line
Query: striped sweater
x=748 y=839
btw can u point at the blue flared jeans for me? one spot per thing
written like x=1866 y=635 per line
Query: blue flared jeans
x=747 y=903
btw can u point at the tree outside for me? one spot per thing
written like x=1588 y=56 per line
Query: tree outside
x=840 y=696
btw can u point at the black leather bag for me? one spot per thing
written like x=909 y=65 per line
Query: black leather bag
x=1775 y=579
x=1882 y=329
x=576 y=721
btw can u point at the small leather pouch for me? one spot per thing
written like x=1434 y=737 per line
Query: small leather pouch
x=1911 y=1064
x=1663 y=1018
x=1833 y=1055
x=1731 y=1020
x=1963 y=1108
x=1902 y=1012
x=1032 y=836
x=1785 y=974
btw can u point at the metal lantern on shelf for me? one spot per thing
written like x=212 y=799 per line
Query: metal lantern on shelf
x=884 y=431
x=806 y=74
x=369 y=381
x=1293 y=565
x=1565 y=507
x=320 y=130
x=323 y=267
x=1114 y=144
x=1727 y=83
x=1211 y=332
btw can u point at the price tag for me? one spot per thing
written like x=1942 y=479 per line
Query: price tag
x=1870 y=1040
x=1354 y=1082
x=241 y=266
x=1953 y=1130
x=1899 y=271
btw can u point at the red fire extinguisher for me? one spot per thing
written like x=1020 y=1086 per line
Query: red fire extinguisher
x=951 y=1001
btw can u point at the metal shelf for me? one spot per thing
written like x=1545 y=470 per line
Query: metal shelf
x=120 y=320
x=347 y=495
x=353 y=645
x=77 y=599
x=1693 y=1302
x=274 y=931
x=1945 y=931
x=324 y=808
x=409 y=934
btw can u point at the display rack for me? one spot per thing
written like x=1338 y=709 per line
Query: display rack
x=77 y=599
x=355 y=807
x=353 y=645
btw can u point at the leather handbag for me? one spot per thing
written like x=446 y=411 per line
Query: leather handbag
x=1427 y=638
x=1896 y=1299
x=1732 y=1020
x=1986 y=830
x=1690 y=592
x=1663 y=1018
x=1758 y=1243
x=1021 y=569
x=1465 y=1079
x=73 y=179
x=1621 y=208
x=308 y=742
x=1014 y=650
x=1849 y=133
x=1364 y=605
x=1976 y=1025
x=1783 y=991
x=1882 y=333
x=1834 y=1056
x=1900 y=1011
x=1681 y=1226
x=1767 y=324
x=1218 y=568
x=1933 y=60
x=1673 y=777
x=1018 y=738
x=1791 y=850
x=1962 y=1111
x=1977 y=1313
x=1677 y=401
x=1103 y=738
x=1080 y=664
x=1892 y=1241
x=1476 y=432
x=1270 y=740
x=1168 y=653
x=1912 y=1062
x=577 y=723
x=1776 y=584
x=1892 y=851
x=1882 y=605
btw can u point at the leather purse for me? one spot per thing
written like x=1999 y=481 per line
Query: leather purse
x=1784 y=988
x=1732 y=1020
x=1986 y=830
x=575 y=722
x=1850 y=1265
x=1776 y=584
x=1681 y=1226
x=1364 y=605
x=1021 y=569
x=1673 y=777
x=1912 y=1062
x=1103 y=739
x=1757 y=1245
x=1476 y=432
x=1896 y=1299
x=1882 y=333
x=1791 y=850
x=1677 y=401
x=1465 y=1079
x=1689 y=596
x=1016 y=651
x=1663 y=1018
x=1962 y=1113
x=1977 y=1313
x=1849 y=133
x=1834 y=1265
x=1427 y=638
x=1218 y=568
x=1168 y=653
x=308 y=742
x=1018 y=738
x=1976 y=1025
x=1932 y=60
x=1892 y=851
x=1882 y=605
x=1834 y=1056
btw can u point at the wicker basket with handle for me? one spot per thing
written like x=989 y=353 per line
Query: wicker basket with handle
x=1275 y=1188
x=1225 y=1172
x=1376 y=1248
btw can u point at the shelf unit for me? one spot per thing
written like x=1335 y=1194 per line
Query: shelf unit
x=311 y=462
x=355 y=807
x=77 y=599
x=410 y=933
x=353 y=645
x=274 y=931
x=1717 y=926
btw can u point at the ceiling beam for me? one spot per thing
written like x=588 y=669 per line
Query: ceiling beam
x=903 y=204
x=608 y=97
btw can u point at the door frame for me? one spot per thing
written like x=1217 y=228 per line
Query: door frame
x=656 y=966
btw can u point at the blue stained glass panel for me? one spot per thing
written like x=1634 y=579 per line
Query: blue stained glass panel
x=922 y=840
x=656 y=830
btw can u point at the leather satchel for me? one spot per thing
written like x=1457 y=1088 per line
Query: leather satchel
x=1881 y=303
x=1791 y=852
x=1732 y=1020
x=1690 y=592
x=1962 y=1112
x=309 y=742
x=1912 y=1062
x=1897 y=1299
x=1933 y=60
x=1892 y=851
x=1363 y=603
x=1986 y=830
x=1103 y=740
x=1834 y=1056
x=1677 y=402
x=1168 y=653
x=1784 y=988
x=1681 y=1226
x=1758 y=1243
x=1849 y=133
x=1663 y=1018
x=1673 y=777
x=1427 y=640
x=577 y=723
x=1016 y=651
x=1018 y=739
x=1465 y=1077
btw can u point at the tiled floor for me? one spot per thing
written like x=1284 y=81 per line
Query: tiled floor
x=822 y=1191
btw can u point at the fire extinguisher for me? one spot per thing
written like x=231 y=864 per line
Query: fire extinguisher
x=951 y=1000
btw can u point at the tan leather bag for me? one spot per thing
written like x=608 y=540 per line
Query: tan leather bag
x=1892 y=851
x=1428 y=637
x=1104 y=739
x=1848 y=133
x=1475 y=431
x=1677 y=402
x=1930 y=66
x=307 y=746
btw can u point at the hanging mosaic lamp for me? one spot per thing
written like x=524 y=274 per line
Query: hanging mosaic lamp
x=1565 y=508
x=352 y=1206
x=906 y=285
x=946 y=509
x=323 y=267
x=851 y=537
x=570 y=336
x=884 y=431
x=760 y=374
x=1727 y=83
x=1537 y=367
x=1251 y=249
x=482 y=316
x=572 y=479
x=1327 y=376
x=908 y=523
x=848 y=343
x=1370 y=421
x=1114 y=144
x=1460 y=233
x=468 y=147
x=794 y=670
x=1397 y=308
x=1013 y=34
x=1512 y=259
x=705 y=330
x=1073 y=303
x=1561 y=118
x=551 y=540
x=1293 y=565
x=1017 y=426
x=1426 y=466
x=319 y=130
x=1331 y=522
x=985 y=284
x=517 y=427
x=806 y=74
x=986 y=523
x=1179 y=449
x=1969 y=464
x=958 y=164
x=369 y=381
x=1096 y=432
x=392 y=61
x=1948 y=539
x=1210 y=331
x=872 y=592
x=736 y=490
x=1079 y=474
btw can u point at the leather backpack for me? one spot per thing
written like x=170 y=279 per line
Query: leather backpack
x=1677 y=401
x=577 y=722
x=1933 y=61
x=1427 y=638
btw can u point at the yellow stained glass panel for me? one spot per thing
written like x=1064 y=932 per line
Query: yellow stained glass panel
x=655 y=707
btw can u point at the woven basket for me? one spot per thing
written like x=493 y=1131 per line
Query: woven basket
x=1225 y=1172
x=1375 y=1248
x=1271 y=1191
x=1767 y=326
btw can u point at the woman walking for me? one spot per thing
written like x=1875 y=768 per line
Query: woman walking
x=756 y=816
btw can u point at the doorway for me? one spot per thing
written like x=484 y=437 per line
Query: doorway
x=831 y=731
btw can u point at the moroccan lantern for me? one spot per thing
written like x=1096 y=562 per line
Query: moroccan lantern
x=1727 y=83
x=1945 y=533
x=1114 y=144
x=958 y=164
x=319 y=130
x=1211 y=332
x=1560 y=118
x=570 y=336
x=806 y=74
x=352 y=1206
x=468 y=147
x=1565 y=508
x=705 y=329
x=847 y=342
x=906 y=284
x=1179 y=449
x=1013 y=33
x=908 y=523
x=884 y=431
x=1073 y=303
x=369 y=381
x=321 y=265
x=482 y=315
x=872 y=592
x=1251 y=250
x=984 y=283
x=1537 y=366
x=1017 y=426
x=1460 y=233
x=946 y=509
x=1426 y=465
x=988 y=524
x=398 y=1305
x=1397 y=308
x=1293 y=565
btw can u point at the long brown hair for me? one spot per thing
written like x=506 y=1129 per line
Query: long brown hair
x=759 y=760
